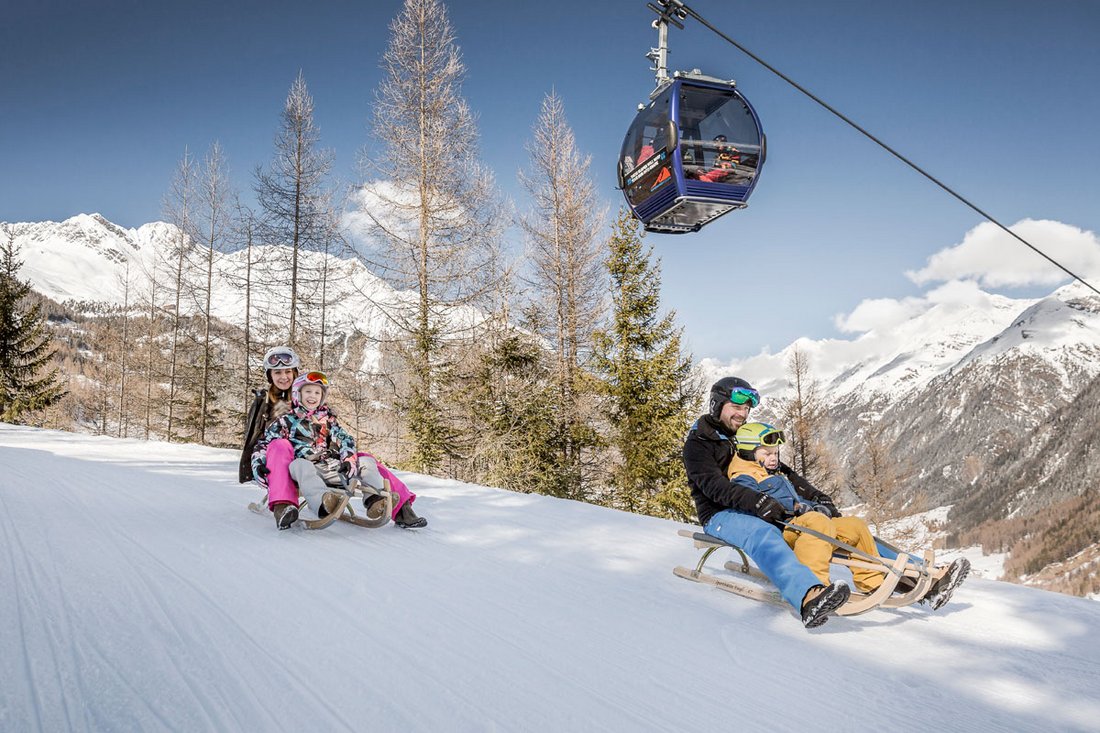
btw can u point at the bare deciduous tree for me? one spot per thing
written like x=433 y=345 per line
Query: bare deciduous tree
x=565 y=258
x=434 y=216
x=179 y=209
x=291 y=191
x=805 y=419
x=214 y=213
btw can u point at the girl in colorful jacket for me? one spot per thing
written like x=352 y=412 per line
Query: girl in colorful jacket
x=319 y=451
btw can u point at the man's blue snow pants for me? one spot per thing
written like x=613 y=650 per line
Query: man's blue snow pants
x=764 y=543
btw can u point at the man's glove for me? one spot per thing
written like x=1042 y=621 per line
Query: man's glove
x=769 y=509
x=826 y=506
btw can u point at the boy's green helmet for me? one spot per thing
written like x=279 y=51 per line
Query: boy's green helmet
x=752 y=435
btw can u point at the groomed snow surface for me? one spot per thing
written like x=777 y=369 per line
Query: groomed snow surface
x=137 y=593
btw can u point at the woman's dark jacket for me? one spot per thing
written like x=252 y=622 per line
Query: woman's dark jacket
x=264 y=410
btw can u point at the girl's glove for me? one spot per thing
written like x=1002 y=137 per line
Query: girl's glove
x=349 y=467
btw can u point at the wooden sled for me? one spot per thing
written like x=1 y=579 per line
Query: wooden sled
x=857 y=603
x=344 y=512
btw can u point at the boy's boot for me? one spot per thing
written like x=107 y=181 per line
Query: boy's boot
x=821 y=601
x=285 y=515
x=406 y=518
x=942 y=590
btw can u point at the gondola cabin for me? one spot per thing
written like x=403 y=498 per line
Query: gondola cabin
x=692 y=154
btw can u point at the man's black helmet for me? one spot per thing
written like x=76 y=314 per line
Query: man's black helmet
x=723 y=391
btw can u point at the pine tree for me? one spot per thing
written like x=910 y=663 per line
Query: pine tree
x=648 y=382
x=26 y=385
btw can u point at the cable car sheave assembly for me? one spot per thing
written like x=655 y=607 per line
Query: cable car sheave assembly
x=695 y=151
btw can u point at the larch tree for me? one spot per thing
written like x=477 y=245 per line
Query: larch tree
x=180 y=210
x=564 y=255
x=805 y=419
x=124 y=354
x=213 y=225
x=433 y=217
x=648 y=381
x=292 y=194
x=875 y=478
x=28 y=384
x=244 y=237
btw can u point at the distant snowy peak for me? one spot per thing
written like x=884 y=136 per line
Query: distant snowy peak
x=85 y=257
x=1062 y=330
x=898 y=362
x=906 y=357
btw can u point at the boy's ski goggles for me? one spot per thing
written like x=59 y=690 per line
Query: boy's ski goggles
x=315 y=378
x=741 y=395
x=775 y=437
x=281 y=359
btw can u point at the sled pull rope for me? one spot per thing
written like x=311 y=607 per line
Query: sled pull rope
x=688 y=11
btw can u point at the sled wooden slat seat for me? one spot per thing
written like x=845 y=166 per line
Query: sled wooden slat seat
x=904 y=568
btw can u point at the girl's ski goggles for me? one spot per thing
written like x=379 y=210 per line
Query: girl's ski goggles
x=315 y=378
x=741 y=395
x=281 y=358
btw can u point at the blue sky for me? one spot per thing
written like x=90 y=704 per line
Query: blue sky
x=997 y=98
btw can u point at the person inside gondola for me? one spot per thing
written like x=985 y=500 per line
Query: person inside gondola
x=725 y=161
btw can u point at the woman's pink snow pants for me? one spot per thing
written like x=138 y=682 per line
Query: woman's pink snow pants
x=280 y=489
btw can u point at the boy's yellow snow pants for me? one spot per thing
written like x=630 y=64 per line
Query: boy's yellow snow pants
x=816 y=554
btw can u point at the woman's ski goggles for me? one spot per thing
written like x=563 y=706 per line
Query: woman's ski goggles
x=315 y=378
x=281 y=358
x=741 y=395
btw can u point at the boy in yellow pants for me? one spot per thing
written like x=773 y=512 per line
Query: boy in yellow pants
x=755 y=464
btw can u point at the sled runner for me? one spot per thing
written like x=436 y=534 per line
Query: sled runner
x=344 y=511
x=914 y=577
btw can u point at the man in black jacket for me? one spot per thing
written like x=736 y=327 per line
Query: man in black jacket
x=742 y=516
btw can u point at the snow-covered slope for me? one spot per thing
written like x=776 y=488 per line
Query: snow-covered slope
x=140 y=594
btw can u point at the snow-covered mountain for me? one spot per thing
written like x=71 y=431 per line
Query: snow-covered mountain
x=87 y=258
x=892 y=364
x=142 y=595
x=955 y=386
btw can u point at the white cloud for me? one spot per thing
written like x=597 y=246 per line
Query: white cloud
x=994 y=259
x=882 y=314
x=879 y=313
x=381 y=204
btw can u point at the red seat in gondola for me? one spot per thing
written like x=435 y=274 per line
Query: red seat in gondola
x=692 y=154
